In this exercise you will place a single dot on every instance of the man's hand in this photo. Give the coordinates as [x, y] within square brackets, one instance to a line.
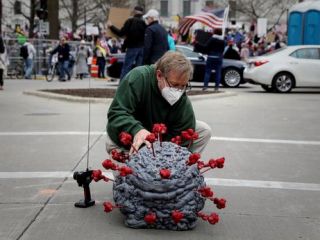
[139, 139]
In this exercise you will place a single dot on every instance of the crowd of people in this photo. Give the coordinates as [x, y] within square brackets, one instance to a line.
[144, 40]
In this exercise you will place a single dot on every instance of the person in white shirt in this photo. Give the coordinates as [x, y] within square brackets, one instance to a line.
[28, 61]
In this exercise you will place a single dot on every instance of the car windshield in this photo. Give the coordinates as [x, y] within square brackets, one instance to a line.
[187, 52]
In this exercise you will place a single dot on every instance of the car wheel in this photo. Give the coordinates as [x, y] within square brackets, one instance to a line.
[231, 77]
[267, 88]
[283, 82]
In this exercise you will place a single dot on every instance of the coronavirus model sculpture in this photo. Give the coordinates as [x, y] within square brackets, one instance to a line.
[163, 186]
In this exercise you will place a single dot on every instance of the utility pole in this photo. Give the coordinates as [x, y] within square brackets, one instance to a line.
[0, 16]
[85, 23]
[53, 17]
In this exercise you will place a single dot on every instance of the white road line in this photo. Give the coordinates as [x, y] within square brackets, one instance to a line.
[48, 133]
[209, 181]
[227, 139]
[261, 140]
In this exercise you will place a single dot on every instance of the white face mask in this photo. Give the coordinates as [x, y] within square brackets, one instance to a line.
[172, 95]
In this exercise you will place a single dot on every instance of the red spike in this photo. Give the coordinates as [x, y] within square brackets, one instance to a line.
[165, 173]
[150, 218]
[176, 216]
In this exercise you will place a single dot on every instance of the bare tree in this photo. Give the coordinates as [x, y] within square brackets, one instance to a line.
[95, 11]
[145, 3]
[29, 14]
[255, 9]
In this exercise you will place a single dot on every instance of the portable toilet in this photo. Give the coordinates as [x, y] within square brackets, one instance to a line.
[304, 24]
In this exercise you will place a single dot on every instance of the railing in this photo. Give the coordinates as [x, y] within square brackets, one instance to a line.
[40, 62]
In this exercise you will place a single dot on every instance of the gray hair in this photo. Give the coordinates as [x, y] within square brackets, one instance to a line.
[175, 61]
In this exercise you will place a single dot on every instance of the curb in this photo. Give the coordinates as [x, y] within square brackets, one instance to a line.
[69, 98]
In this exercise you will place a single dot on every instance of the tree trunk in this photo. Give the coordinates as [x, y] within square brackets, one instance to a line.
[32, 15]
[53, 18]
[74, 17]
[0, 16]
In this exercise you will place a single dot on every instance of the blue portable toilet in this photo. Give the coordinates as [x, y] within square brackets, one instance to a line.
[304, 24]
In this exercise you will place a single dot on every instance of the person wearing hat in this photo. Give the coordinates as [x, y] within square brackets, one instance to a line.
[133, 30]
[156, 38]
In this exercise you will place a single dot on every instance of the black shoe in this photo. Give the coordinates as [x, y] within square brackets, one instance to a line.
[204, 89]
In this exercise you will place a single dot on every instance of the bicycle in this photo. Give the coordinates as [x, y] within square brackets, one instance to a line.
[16, 69]
[52, 72]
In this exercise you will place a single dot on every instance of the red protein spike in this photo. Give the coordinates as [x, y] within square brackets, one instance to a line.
[190, 131]
[125, 138]
[108, 164]
[213, 218]
[193, 158]
[151, 138]
[108, 207]
[195, 136]
[220, 162]
[177, 140]
[206, 192]
[185, 135]
[115, 154]
[220, 203]
[176, 216]
[203, 216]
[201, 164]
[150, 218]
[165, 173]
[125, 170]
[97, 175]
[164, 128]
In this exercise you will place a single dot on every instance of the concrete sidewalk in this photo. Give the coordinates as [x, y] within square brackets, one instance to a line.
[43, 141]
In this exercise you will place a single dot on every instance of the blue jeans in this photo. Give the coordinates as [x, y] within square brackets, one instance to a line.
[28, 66]
[216, 64]
[63, 68]
[101, 62]
[134, 56]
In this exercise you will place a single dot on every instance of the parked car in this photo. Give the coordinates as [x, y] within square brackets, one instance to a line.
[286, 68]
[232, 70]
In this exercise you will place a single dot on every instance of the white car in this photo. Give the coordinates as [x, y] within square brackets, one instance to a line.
[285, 68]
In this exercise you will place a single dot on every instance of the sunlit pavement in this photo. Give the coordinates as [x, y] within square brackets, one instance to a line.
[271, 177]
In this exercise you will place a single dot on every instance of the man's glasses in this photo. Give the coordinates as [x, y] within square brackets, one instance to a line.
[185, 88]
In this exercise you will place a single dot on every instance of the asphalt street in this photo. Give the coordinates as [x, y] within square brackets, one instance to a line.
[271, 178]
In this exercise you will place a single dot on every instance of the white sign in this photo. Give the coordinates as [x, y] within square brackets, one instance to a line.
[262, 27]
[44, 27]
[92, 30]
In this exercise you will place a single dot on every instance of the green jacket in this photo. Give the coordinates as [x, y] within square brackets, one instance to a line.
[138, 104]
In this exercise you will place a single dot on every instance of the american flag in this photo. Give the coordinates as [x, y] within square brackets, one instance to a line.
[215, 18]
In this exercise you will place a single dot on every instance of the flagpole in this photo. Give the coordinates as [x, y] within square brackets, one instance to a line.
[225, 20]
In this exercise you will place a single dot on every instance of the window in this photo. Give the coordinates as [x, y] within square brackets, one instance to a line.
[186, 7]
[210, 4]
[188, 52]
[164, 8]
[306, 53]
[17, 7]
